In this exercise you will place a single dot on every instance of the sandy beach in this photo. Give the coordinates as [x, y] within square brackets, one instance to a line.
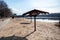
[44, 30]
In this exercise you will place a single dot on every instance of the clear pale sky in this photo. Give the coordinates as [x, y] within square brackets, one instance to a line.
[22, 6]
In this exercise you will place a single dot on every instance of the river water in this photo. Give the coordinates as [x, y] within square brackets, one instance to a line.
[46, 19]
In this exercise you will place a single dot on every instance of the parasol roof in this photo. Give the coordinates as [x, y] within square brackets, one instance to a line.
[35, 13]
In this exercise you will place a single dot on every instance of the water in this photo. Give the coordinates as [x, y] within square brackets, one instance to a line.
[46, 19]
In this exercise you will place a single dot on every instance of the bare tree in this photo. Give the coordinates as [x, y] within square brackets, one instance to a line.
[4, 10]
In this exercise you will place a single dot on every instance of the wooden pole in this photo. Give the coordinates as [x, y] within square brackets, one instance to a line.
[31, 19]
[34, 23]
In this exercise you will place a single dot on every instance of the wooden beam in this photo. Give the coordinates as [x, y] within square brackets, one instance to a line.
[34, 23]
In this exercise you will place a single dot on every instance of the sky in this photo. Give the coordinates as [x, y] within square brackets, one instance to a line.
[21, 6]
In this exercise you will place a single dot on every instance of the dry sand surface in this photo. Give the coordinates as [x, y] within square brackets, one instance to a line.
[45, 30]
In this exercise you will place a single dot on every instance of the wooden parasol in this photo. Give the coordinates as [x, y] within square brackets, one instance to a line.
[34, 13]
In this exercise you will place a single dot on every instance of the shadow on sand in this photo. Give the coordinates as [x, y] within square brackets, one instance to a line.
[30, 33]
[16, 37]
[24, 23]
[13, 38]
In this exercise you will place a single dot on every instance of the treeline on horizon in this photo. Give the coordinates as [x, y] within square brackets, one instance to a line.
[49, 15]
[5, 11]
[52, 16]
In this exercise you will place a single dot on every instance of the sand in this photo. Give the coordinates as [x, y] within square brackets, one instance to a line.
[44, 30]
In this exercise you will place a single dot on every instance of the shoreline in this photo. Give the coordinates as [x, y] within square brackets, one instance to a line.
[45, 20]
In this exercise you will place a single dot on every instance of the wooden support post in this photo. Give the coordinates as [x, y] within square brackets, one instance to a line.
[31, 19]
[34, 23]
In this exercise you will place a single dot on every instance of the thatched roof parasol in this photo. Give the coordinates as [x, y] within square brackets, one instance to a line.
[34, 13]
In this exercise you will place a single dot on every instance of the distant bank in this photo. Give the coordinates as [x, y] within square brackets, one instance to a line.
[52, 16]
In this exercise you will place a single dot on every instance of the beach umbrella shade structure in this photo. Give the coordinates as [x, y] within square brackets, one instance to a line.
[34, 13]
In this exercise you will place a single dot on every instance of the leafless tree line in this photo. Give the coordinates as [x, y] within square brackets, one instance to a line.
[4, 10]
